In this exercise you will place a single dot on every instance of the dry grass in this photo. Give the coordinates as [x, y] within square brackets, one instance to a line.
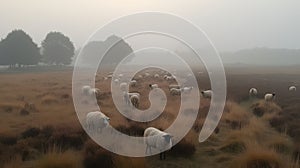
[244, 139]
[15, 162]
[257, 157]
[56, 158]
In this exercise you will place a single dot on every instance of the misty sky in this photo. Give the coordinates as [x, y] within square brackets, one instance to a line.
[230, 24]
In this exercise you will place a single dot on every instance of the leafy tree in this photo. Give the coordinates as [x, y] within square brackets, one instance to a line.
[57, 49]
[114, 49]
[19, 49]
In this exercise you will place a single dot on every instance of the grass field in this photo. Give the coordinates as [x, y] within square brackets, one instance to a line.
[48, 134]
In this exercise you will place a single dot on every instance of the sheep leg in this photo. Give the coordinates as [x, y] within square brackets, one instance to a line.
[146, 149]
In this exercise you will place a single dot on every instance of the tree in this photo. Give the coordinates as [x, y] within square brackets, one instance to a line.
[57, 49]
[19, 49]
[114, 48]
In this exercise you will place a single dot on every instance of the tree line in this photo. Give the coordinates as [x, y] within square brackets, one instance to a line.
[19, 50]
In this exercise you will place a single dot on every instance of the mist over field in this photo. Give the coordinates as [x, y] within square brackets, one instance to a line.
[60, 107]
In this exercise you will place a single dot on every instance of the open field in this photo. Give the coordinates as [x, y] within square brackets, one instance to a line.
[251, 134]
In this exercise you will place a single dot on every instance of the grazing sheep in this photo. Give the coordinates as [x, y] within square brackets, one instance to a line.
[174, 86]
[109, 76]
[116, 81]
[94, 92]
[123, 86]
[96, 121]
[175, 91]
[206, 93]
[253, 92]
[159, 140]
[156, 76]
[153, 86]
[292, 88]
[186, 89]
[127, 96]
[147, 74]
[86, 90]
[167, 77]
[270, 96]
[89, 91]
[135, 100]
[133, 83]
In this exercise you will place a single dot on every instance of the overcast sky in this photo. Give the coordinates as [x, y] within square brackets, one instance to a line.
[230, 24]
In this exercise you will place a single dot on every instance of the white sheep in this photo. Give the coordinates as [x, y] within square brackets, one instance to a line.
[89, 91]
[127, 97]
[147, 74]
[154, 138]
[206, 93]
[109, 76]
[116, 81]
[135, 100]
[167, 77]
[187, 90]
[153, 86]
[156, 76]
[123, 86]
[94, 92]
[133, 83]
[292, 88]
[175, 91]
[253, 92]
[85, 90]
[174, 86]
[270, 96]
[96, 121]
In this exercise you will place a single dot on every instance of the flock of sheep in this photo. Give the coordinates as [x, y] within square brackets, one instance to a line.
[268, 96]
[96, 120]
[156, 138]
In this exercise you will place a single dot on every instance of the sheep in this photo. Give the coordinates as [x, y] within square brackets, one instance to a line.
[292, 88]
[123, 86]
[135, 100]
[85, 90]
[133, 83]
[153, 86]
[116, 81]
[156, 76]
[253, 92]
[186, 89]
[171, 77]
[270, 96]
[127, 97]
[174, 86]
[175, 91]
[167, 77]
[154, 138]
[206, 93]
[89, 91]
[94, 92]
[109, 76]
[96, 121]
